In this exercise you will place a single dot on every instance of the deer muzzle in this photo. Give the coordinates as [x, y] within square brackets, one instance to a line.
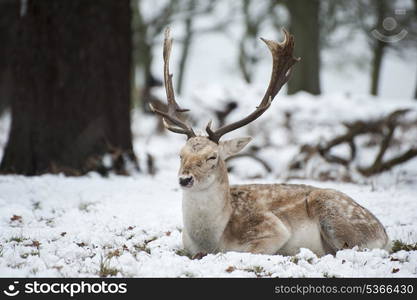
[186, 181]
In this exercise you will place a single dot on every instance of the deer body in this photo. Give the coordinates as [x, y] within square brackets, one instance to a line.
[268, 218]
[265, 218]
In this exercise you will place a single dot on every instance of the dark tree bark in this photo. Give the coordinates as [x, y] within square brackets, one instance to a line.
[415, 13]
[71, 99]
[9, 15]
[382, 8]
[305, 27]
[379, 50]
[142, 57]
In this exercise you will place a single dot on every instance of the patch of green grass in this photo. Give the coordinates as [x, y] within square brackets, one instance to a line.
[259, 271]
[151, 240]
[16, 265]
[183, 252]
[17, 239]
[142, 247]
[32, 253]
[105, 269]
[294, 259]
[398, 245]
[310, 260]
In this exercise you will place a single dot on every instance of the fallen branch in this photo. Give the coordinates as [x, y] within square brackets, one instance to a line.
[384, 127]
[389, 164]
[254, 157]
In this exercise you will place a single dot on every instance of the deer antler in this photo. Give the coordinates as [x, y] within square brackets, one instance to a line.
[170, 118]
[282, 61]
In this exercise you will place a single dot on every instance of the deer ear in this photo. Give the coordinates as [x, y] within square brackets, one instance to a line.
[233, 146]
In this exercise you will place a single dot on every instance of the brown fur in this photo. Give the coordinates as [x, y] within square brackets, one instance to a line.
[266, 218]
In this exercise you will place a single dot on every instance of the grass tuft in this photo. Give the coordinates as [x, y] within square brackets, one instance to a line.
[105, 269]
[17, 239]
[144, 246]
[398, 245]
[183, 252]
[259, 271]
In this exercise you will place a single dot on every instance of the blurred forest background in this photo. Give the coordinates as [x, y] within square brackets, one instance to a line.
[72, 72]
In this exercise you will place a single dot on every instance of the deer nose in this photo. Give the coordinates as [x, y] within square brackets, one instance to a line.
[186, 181]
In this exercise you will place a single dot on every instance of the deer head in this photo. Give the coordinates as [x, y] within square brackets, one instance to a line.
[203, 161]
[203, 157]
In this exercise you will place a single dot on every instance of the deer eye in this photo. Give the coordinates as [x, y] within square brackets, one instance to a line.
[211, 157]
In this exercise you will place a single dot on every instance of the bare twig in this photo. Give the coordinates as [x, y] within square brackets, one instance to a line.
[389, 164]
[384, 127]
[254, 157]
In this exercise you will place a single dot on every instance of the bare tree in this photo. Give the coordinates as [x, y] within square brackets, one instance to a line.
[71, 92]
[248, 44]
[188, 36]
[146, 34]
[389, 26]
[9, 16]
[305, 25]
[415, 14]
[379, 46]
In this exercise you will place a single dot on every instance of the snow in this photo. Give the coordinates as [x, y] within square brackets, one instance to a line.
[53, 225]
[79, 221]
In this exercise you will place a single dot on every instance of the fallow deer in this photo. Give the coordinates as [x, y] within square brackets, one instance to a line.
[258, 218]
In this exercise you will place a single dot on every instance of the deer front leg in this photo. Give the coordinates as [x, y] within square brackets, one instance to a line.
[188, 244]
[272, 236]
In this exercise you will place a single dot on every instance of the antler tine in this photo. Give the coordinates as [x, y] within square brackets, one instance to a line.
[177, 125]
[282, 62]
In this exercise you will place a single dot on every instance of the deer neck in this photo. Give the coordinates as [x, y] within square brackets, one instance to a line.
[207, 212]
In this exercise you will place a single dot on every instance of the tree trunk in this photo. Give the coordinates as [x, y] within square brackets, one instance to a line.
[142, 58]
[382, 9]
[248, 60]
[415, 13]
[71, 99]
[305, 27]
[188, 22]
[9, 16]
[376, 66]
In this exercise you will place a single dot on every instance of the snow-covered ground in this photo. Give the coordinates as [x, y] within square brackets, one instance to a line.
[57, 226]
[52, 225]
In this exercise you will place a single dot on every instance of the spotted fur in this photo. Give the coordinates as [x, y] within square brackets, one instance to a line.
[265, 218]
